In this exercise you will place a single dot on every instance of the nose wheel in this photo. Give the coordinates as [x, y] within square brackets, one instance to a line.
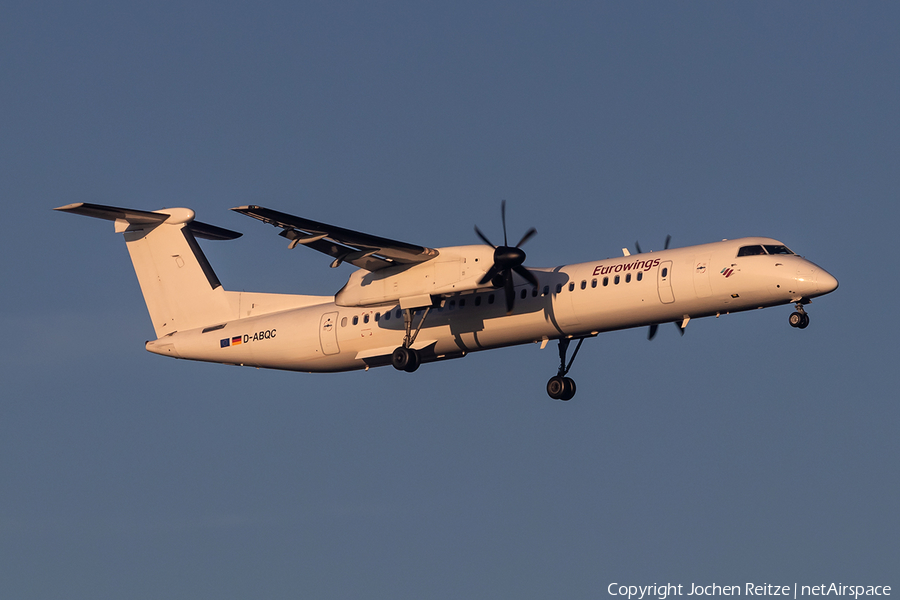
[561, 387]
[799, 318]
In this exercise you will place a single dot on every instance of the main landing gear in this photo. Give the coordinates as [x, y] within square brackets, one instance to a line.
[799, 319]
[405, 357]
[561, 387]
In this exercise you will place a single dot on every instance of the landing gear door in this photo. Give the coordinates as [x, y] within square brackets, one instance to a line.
[328, 333]
[664, 282]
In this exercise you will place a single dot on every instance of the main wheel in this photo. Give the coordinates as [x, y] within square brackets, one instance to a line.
[405, 359]
[556, 387]
[568, 389]
[796, 320]
[804, 323]
[414, 361]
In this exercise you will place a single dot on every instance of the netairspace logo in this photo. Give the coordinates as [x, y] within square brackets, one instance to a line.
[638, 592]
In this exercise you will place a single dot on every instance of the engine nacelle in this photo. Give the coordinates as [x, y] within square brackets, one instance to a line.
[455, 269]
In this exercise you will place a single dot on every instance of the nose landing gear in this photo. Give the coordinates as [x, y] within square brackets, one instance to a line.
[561, 387]
[799, 319]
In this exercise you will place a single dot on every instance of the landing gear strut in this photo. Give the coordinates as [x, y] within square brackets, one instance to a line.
[799, 319]
[561, 387]
[405, 357]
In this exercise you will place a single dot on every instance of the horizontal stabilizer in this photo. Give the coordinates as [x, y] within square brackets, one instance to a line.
[143, 217]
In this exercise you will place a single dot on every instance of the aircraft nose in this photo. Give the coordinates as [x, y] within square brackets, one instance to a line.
[825, 282]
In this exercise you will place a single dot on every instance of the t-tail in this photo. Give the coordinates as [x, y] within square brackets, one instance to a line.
[180, 287]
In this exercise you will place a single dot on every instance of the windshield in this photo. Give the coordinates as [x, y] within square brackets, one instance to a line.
[751, 251]
[757, 250]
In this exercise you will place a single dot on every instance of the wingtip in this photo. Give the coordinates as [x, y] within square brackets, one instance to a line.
[70, 206]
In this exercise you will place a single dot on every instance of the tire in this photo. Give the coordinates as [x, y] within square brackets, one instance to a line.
[556, 387]
[400, 358]
[568, 389]
[414, 361]
[804, 323]
[796, 319]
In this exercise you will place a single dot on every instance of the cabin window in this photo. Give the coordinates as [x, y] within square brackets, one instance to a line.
[399, 313]
[616, 280]
[452, 304]
[365, 318]
[583, 284]
[593, 283]
[377, 317]
[344, 322]
[640, 275]
[558, 288]
[490, 298]
[628, 278]
[355, 320]
[524, 294]
[534, 292]
[387, 316]
[777, 249]
[546, 290]
[751, 251]
[665, 272]
[477, 300]
[462, 302]
[605, 281]
[572, 286]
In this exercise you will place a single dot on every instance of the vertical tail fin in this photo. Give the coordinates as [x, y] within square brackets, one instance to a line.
[180, 287]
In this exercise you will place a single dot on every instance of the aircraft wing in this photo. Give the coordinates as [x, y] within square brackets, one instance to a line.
[362, 250]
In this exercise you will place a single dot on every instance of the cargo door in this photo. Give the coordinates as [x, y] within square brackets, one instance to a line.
[664, 282]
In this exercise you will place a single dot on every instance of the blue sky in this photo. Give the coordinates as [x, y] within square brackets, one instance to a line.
[745, 451]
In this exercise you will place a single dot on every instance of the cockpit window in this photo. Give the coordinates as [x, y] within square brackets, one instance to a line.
[778, 249]
[751, 251]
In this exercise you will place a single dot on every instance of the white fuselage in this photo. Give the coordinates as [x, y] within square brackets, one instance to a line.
[573, 301]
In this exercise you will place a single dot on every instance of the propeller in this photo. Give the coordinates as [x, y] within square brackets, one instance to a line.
[637, 245]
[655, 327]
[506, 260]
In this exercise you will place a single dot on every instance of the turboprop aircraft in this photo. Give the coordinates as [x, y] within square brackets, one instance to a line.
[406, 305]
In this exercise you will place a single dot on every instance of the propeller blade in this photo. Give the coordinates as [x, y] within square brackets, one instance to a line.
[484, 238]
[503, 218]
[526, 275]
[668, 239]
[510, 292]
[637, 246]
[652, 333]
[491, 273]
[526, 237]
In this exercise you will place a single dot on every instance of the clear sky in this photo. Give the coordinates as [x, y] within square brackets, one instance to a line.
[746, 451]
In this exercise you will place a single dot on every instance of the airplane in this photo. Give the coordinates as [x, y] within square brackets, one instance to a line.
[406, 305]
